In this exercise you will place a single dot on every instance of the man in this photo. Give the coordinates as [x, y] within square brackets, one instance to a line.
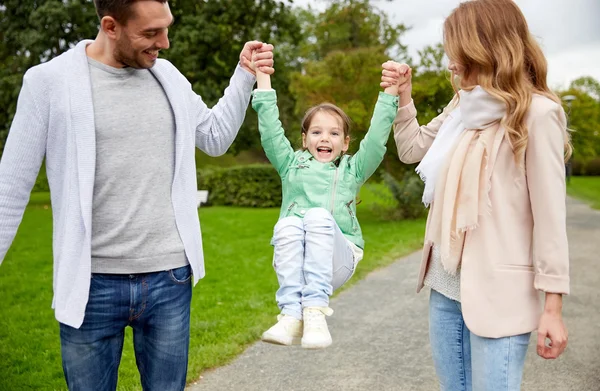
[118, 127]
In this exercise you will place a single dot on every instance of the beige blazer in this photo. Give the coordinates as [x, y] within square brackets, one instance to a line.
[521, 248]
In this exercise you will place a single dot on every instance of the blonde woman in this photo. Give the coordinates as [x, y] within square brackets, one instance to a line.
[493, 167]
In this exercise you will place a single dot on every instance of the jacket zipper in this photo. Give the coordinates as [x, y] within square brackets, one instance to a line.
[354, 228]
[333, 191]
[290, 208]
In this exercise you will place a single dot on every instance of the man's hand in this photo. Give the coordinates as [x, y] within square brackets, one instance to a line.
[261, 53]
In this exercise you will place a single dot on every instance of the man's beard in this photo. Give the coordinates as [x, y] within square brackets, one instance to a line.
[125, 54]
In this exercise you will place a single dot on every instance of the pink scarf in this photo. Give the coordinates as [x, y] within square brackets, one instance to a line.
[463, 183]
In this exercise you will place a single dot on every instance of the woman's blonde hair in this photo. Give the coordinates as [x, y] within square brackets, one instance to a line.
[491, 40]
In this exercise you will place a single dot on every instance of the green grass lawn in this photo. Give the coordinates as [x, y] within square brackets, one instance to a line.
[586, 188]
[231, 306]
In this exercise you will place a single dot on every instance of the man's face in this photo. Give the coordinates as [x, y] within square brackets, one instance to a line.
[144, 34]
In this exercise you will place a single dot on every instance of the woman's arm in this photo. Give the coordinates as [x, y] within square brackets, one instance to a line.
[372, 148]
[412, 140]
[544, 166]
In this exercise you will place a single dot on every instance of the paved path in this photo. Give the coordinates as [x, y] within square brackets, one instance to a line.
[380, 335]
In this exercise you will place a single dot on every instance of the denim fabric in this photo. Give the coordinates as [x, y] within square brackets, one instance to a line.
[312, 258]
[157, 307]
[464, 361]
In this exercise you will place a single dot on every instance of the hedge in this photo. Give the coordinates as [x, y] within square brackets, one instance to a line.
[256, 185]
[589, 168]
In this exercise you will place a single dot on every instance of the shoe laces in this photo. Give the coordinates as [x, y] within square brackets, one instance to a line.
[315, 316]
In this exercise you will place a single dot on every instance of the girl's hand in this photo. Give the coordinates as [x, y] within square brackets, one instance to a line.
[263, 77]
[257, 55]
[396, 79]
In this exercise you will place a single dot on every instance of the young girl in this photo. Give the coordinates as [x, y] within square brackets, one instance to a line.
[317, 240]
[493, 166]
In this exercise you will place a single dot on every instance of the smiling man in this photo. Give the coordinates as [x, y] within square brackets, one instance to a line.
[118, 127]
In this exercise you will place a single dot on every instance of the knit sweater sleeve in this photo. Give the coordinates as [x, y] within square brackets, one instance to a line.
[217, 127]
[21, 160]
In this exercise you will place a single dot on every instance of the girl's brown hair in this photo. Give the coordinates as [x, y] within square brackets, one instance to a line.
[331, 109]
[491, 39]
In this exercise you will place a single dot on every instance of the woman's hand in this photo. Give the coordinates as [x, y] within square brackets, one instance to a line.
[552, 327]
[396, 78]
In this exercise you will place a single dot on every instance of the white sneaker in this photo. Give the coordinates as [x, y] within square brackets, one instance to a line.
[316, 334]
[287, 331]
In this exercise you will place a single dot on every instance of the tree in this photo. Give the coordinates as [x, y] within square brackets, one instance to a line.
[584, 118]
[207, 38]
[589, 85]
[32, 32]
[432, 89]
[344, 47]
[348, 79]
[347, 25]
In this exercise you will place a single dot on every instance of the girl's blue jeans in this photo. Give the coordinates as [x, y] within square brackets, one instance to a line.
[312, 258]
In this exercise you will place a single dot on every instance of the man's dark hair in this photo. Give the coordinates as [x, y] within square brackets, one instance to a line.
[118, 9]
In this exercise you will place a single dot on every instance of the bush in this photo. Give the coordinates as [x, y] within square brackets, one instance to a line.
[588, 168]
[408, 193]
[592, 167]
[577, 167]
[256, 185]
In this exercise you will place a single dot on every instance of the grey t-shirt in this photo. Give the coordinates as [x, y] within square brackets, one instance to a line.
[133, 222]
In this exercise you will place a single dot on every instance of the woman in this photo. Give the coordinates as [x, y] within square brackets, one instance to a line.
[493, 166]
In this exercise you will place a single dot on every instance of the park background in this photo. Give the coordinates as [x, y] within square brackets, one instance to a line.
[332, 52]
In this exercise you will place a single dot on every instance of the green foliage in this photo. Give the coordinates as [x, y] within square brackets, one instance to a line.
[587, 168]
[231, 306]
[588, 85]
[586, 188]
[347, 79]
[346, 25]
[206, 41]
[34, 31]
[593, 167]
[208, 36]
[431, 87]
[408, 193]
[334, 55]
[584, 118]
[343, 49]
[256, 185]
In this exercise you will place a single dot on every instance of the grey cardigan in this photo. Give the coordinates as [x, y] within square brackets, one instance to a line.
[55, 119]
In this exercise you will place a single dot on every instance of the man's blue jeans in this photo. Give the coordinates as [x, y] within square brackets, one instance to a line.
[156, 306]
